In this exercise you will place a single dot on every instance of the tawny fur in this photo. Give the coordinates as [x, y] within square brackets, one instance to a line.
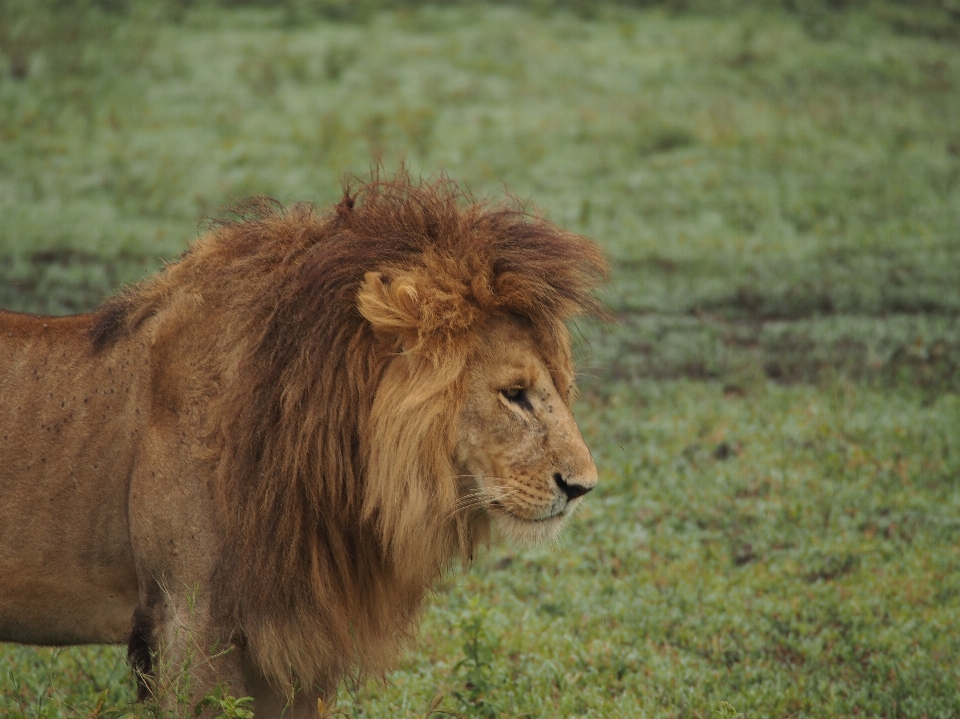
[276, 378]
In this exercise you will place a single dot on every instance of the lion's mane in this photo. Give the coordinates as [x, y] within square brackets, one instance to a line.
[332, 464]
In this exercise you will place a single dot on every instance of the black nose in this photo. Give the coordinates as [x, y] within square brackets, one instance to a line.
[571, 490]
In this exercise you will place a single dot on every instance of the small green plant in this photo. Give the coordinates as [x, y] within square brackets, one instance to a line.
[219, 700]
[229, 707]
[436, 709]
[726, 710]
[476, 668]
[39, 711]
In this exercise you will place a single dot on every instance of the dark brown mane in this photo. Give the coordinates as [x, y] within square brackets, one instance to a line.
[287, 395]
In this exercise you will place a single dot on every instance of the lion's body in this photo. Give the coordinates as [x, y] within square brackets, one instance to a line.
[68, 571]
[277, 444]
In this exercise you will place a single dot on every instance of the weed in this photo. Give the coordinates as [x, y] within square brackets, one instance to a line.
[475, 671]
[226, 706]
[726, 710]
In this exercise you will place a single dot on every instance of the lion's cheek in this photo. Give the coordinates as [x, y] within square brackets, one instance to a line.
[472, 455]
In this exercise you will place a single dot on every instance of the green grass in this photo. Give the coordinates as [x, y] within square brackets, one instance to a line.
[775, 416]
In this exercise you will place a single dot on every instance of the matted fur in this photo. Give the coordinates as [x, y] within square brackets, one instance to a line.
[337, 488]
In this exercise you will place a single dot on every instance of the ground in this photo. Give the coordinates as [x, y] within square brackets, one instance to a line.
[775, 413]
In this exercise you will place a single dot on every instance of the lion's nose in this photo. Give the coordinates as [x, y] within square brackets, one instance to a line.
[571, 490]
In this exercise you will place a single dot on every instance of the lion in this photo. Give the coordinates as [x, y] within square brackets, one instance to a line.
[261, 458]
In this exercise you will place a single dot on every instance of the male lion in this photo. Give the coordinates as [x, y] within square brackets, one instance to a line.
[277, 444]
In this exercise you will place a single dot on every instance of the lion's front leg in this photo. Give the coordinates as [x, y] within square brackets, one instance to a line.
[180, 655]
[193, 656]
[269, 702]
[181, 646]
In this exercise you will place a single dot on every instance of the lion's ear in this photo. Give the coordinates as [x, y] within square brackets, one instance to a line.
[391, 306]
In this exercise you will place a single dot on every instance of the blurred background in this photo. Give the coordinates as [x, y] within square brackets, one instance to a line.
[775, 412]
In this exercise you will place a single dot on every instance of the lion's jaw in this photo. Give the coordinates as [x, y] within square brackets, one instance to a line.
[525, 461]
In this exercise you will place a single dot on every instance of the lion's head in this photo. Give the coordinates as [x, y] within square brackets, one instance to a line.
[489, 409]
[382, 382]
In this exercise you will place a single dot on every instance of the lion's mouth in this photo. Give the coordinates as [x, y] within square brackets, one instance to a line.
[541, 520]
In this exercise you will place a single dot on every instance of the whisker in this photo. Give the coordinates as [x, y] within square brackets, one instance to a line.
[468, 503]
[481, 496]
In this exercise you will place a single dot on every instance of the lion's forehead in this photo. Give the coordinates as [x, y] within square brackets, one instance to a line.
[511, 355]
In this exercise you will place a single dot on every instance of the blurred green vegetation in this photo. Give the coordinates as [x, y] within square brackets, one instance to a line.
[741, 170]
[775, 414]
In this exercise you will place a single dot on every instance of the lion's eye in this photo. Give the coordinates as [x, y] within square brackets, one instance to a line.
[518, 396]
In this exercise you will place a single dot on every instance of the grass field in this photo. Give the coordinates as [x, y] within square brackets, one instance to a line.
[775, 416]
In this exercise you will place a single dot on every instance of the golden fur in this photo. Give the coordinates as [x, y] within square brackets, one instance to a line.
[305, 424]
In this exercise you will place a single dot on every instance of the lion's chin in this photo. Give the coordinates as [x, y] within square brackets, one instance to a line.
[527, 531]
